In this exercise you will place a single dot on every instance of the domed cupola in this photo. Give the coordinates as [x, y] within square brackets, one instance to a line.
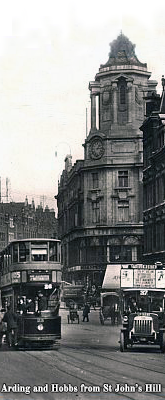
[123, 52]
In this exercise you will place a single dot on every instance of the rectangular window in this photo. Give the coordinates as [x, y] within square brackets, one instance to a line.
[52, 251]
[95, 180]
[96, 211]
[39, 251]
[15, 252]
[123, 211]
[2, 236]
[24, 251]
[11, 223]
[115, 253]
[127, 253]
[123, 178]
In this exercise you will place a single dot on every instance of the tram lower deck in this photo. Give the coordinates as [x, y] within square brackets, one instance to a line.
[30, 287]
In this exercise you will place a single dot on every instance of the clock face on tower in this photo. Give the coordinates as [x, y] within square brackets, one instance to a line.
[96, 149]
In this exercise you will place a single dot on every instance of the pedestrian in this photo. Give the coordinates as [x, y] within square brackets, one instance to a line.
[42, 301]
[86, 311]
[11, 319]
[3, 326]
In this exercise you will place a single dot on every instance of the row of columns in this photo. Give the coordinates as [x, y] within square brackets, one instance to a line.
[114, 105]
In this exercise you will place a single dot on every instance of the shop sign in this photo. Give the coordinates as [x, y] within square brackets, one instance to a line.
[92, 268]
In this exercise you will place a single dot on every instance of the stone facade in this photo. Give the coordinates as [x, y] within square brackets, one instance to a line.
[100, 201]
[154, 180]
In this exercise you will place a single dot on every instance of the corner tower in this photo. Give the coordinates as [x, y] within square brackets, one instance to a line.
[120, 86]
[100, 201]
[113, 152]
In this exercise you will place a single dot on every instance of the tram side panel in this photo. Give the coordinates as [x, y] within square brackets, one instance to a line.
[41, 328]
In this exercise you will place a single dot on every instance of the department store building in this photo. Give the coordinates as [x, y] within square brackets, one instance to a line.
[100, 199]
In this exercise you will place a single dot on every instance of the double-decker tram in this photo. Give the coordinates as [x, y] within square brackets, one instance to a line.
[143, 291]
[30, 276]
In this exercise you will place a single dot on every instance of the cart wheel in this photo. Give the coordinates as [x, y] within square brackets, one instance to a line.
[68, 319]
[123, 344]
[78, 320]
[162, 346]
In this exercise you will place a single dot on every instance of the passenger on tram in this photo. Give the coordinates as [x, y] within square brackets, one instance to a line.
[42, 301]
[30, 307]
[21, 306]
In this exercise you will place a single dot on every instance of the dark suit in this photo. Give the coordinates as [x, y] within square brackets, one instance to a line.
[42, 303]
[11, 319]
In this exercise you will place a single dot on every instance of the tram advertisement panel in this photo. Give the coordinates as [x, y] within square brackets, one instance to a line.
[160, 279]
[143, 278]
[127, 278]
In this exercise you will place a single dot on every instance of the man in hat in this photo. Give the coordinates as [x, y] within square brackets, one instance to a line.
[11, 319]
[42, 301]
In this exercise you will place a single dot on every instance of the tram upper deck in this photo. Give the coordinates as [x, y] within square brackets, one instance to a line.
[31, 253]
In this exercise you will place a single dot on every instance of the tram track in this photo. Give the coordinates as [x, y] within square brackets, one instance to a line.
[114, 359]
[89, 373]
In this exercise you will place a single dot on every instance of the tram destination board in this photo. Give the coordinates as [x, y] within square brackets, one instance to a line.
[39, 277]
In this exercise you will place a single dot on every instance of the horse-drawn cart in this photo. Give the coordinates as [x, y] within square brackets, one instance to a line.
[73, 315]
[110, 309]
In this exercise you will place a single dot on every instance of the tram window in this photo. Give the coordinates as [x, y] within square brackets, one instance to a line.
[52, 251]
[39, 254]
[15, 252]
[24, 251]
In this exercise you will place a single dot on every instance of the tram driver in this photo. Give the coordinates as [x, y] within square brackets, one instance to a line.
[42, 301]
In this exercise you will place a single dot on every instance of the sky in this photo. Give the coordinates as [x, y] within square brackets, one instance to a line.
[49, 52]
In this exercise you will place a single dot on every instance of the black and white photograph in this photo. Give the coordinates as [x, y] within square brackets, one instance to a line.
[82, 200]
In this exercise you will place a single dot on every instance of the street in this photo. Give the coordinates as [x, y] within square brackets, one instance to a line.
[87, 365]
